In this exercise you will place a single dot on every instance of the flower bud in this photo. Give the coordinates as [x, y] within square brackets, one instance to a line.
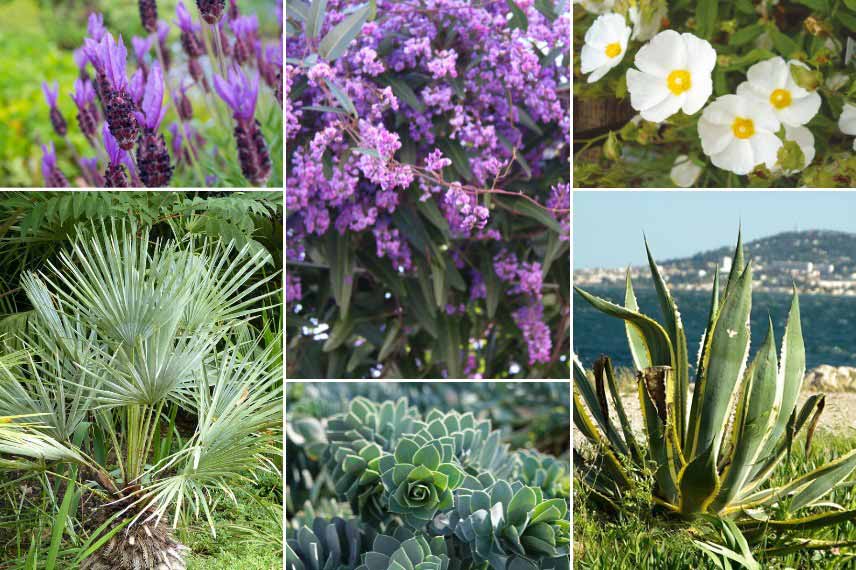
[806, 78]
[612, 147]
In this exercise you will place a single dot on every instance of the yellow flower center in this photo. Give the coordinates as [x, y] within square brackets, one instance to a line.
[613, 49]
[743, 128]
[679, 81]
[780, 98]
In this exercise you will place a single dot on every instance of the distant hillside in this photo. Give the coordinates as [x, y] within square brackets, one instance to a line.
[820, 247]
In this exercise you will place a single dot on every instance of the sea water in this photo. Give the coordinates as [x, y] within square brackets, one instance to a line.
[828, 323]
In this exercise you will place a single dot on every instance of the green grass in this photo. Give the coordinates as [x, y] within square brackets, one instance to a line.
[638, 539]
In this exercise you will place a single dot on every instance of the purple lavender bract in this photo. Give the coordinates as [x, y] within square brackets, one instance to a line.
[57, 120]
[211, 10]
[54, 178]
[149, 14]
[241, 94]
[152, 155]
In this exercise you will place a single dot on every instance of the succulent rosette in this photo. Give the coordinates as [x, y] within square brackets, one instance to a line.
[417, 552]
[418, 480]
[512, 526]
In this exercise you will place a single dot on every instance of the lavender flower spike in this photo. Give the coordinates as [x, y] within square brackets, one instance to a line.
[241, 93]
[53, 177]
[163, 32]
[87, 115]
[211, 10]
[246, 29]
[57, 120]
[189, 40]
[152, 155]
[149, 14]
[119, 107]
[115, 175]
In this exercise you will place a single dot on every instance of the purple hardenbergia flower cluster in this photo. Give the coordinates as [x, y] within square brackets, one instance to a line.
[122, 106]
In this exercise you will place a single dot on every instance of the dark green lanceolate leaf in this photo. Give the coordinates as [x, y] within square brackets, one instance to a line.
[315, 17]
[389, 341]
[408, 221]
[337, 40]
[449, 338]
[527, 121]
[707, 12]
[441, 286]
[342, 264]
[620, 411]
[341, 331]
[493, 287]
[422, 307]
[432, 213]
[367, 151]
[518, 16]
[404, 92]
[455, 152]
[526, 208]
[341, 97]
[753, 420]
[745, 35]
[325, 109]
[782, 42]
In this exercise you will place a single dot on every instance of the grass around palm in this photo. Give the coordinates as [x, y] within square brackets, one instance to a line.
[636, 540]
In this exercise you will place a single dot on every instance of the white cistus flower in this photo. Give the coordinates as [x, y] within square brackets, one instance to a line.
[674, 74]
[738, 134]
[771, 83]
[684, 172]
[605, 44]
[847, 121]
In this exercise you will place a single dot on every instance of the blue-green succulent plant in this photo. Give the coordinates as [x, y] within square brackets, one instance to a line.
[440, 491]
[512, 526]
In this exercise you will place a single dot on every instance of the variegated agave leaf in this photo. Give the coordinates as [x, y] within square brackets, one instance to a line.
[512, 526]
[334, 544]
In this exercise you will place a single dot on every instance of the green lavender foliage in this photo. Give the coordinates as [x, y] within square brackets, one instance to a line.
[411, 478]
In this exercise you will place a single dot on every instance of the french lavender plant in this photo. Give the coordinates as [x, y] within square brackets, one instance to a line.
[57, 120]
[152, 155]
[428, 151]
[123, 106]
[241, 94]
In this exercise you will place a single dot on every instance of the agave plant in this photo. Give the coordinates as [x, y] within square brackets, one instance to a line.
[714, 453]
[126, 334]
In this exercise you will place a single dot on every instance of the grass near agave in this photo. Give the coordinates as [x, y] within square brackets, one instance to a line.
[636, 539]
